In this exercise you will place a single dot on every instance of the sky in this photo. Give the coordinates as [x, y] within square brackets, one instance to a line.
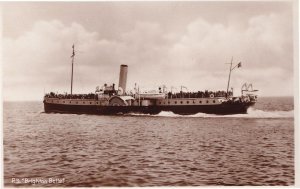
[171, 43]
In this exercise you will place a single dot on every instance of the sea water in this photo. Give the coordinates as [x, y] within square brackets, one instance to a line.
[149, 150]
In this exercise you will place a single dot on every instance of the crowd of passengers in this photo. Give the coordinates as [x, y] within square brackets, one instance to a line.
[199, 94]
[73, 96]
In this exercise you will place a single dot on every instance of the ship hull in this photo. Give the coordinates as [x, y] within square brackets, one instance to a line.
[221, 109]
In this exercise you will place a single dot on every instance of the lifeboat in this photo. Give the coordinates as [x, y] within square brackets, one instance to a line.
[151, 95]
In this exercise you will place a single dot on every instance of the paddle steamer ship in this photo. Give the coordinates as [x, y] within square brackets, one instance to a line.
[109, 100]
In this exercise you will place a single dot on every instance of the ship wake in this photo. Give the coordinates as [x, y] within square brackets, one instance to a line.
[251, 113]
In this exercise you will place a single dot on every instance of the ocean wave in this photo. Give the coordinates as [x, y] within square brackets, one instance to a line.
[251, 113]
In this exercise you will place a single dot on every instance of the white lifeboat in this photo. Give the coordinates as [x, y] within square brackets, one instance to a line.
[151, 95]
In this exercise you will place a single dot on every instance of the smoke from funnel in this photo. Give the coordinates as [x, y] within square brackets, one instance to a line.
[123, 78]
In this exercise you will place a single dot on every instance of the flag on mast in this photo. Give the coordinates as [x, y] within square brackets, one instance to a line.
[239, 64]
[73, 51]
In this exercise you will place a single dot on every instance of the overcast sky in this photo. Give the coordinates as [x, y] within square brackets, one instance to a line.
[171, 43]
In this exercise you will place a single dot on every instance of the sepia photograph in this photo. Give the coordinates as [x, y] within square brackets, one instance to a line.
[149, 93]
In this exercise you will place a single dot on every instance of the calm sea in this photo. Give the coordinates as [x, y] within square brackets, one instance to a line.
[141, 150]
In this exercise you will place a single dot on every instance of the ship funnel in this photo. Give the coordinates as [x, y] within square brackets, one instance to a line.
[123, 79]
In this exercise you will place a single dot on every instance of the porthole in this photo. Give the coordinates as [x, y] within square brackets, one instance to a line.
[83, 102]
[214, 101]
[207, 101]
[76, 102]
[200, 102]
[175, 102]
[181, 102]
[70, 102]
[63, 101]
[187, 102]
[97, 102]
[90, 102]
[193, 102]
[168, 102]
[159, 102]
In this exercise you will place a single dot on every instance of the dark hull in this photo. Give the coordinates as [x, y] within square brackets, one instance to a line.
[222, 109]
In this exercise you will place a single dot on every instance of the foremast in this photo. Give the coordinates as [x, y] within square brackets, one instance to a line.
[73, 55]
